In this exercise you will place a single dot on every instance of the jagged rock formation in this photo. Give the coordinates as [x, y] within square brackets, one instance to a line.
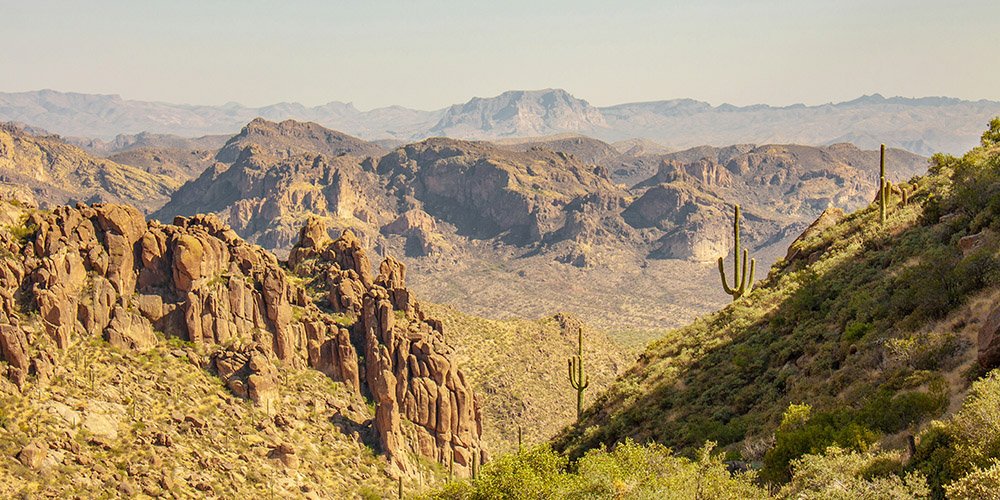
[487, 192]
[408, 369]
[104, 270]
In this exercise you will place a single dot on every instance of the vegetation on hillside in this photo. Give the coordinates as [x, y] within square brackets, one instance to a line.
[862, 337]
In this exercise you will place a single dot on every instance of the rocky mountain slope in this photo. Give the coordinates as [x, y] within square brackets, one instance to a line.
[269, 179]
[862, 334]
[457, 209]
[924, 126]
[76, 276]
[57, 173]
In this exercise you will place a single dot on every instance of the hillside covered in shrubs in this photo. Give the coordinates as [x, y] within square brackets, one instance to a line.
[859, 367]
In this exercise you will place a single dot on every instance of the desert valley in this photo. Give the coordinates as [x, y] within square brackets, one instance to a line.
[520, 295]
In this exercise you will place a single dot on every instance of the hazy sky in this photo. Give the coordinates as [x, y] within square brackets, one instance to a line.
[430, 54]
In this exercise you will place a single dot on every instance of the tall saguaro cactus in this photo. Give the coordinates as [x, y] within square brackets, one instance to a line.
[577, 376]
[742, 282]
[883, 185]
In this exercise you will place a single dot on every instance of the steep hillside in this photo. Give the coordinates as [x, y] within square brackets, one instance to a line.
[519, 366]
[156, 424]
[874, 327]
[58, 173]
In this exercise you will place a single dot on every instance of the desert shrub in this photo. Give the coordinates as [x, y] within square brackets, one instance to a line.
[839, 473]
[970, 439]
[977, 485]
[890, 413]
[856, 330]
[629, 470]
[535, 473]
[801, 432]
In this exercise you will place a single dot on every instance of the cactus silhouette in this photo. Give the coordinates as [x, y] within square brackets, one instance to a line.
[742, 282]
[884, 188]
[577, 376]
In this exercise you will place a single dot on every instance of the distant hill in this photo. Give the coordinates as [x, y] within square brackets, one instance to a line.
[145, 140]
[59, 173]
[922, 125]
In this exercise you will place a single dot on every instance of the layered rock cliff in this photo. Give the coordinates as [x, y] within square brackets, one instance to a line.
[103, 270]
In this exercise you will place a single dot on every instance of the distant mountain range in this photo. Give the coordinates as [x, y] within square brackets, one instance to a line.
[923, 125]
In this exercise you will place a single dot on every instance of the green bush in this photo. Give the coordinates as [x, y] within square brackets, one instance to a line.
[802, 432]
[969, 440]
[838, 473]
[977, 485]
[628, 471]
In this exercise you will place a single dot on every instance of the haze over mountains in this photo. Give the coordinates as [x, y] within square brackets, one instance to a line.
[922, 125]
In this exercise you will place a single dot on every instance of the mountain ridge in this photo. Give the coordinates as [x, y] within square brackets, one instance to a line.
[925, 125]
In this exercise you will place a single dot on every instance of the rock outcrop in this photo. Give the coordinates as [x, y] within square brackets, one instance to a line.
[408, 369]
[102, 270]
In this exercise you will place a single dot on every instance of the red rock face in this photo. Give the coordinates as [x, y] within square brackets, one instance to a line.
[103, 270]
[408, 368]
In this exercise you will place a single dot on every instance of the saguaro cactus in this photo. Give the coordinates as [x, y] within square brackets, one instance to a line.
[742, 282]
[883, 185]
[577, 376]
[520, 447]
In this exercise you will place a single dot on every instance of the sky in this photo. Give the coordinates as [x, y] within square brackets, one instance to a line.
[434, 53]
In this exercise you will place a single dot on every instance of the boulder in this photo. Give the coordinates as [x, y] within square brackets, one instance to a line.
[33, 455]
[130, 331]
[968, 244]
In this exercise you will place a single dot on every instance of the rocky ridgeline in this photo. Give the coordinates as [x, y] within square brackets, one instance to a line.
[104, 270]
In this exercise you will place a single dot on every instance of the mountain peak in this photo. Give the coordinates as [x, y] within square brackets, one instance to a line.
[520, 113]
[290, 137]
